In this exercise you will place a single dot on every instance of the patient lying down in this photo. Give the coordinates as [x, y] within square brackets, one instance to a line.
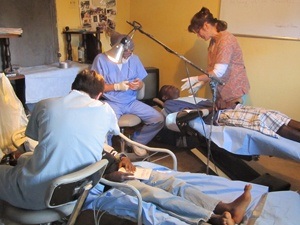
[268, 122]
[167, 193]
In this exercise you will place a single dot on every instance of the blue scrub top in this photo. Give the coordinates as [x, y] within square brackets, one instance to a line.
[112, 74]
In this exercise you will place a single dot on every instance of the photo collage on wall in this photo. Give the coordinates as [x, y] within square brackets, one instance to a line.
[98, 13]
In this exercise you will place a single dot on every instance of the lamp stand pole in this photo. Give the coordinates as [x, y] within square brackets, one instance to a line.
[213, 86]
[138, 26]
[213, 83]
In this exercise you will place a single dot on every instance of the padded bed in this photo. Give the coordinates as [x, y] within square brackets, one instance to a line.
[242, 141]
[276, 208]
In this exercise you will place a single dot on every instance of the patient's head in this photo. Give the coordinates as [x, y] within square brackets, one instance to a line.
[168, 92]
[89, 82]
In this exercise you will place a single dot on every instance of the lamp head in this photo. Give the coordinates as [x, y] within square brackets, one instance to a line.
[115, 54]
[120, 43]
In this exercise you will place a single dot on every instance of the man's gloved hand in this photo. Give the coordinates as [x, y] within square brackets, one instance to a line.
[135, 85]
[122, 86]
[187, 84]
[196, 87]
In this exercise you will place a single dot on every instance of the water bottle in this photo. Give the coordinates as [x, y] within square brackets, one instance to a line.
[81, 54]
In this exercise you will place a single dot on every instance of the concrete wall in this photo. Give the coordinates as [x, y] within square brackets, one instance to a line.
[38, 44]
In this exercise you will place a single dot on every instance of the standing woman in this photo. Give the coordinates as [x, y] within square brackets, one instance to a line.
[225, 59]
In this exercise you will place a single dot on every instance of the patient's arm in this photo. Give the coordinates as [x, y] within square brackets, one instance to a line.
[118, 176]
[112, 173]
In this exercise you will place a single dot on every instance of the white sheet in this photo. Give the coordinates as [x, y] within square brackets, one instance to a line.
[278, 208]
[243, 141]
[47, 81]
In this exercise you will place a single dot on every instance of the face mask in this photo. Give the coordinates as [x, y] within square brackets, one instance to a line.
[125, 60]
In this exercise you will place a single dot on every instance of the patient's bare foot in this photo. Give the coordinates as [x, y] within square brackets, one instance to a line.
[238, 207]
[224, 219]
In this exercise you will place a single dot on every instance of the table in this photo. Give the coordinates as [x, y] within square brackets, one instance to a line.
[48, 81]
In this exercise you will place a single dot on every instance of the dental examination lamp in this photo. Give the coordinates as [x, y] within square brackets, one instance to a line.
[115, 54]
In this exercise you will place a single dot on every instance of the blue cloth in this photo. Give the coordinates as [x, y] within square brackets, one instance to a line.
[162, 203]
[70, 131]
[242, 141]
[177, 105]
[161, 193]
[41, 81]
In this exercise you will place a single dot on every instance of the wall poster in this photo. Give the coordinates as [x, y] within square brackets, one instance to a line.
[98, 13]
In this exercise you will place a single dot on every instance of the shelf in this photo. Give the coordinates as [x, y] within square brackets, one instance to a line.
[9, 35]
[90, 41]
[79, 31]
[5, 35]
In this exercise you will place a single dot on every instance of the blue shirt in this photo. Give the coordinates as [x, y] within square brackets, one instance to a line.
[70, 132]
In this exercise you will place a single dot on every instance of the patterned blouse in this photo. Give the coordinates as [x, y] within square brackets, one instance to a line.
[224, 49]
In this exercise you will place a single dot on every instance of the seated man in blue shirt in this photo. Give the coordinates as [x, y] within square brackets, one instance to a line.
[70, 132]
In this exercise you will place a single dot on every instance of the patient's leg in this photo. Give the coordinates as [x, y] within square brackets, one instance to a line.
[183, 189]
[238, 207]
[294, 124]
[175, 206]
[290, 131]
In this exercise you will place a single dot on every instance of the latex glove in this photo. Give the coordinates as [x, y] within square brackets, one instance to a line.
[196, 87]
[122, 86]
[188, 83]
[135, 85]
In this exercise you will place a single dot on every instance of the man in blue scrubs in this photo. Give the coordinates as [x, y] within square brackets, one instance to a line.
[122, 81]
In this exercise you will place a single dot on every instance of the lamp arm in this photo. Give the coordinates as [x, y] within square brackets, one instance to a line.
[139, 28]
